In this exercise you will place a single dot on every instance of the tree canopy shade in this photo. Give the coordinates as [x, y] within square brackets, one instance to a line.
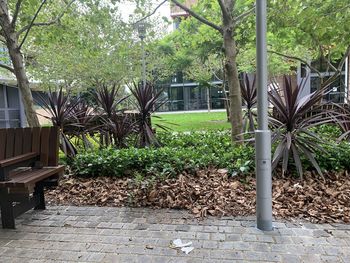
[311, 29]
[93, 43]
[17, 19]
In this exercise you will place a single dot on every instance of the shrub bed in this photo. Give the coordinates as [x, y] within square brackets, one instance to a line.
[192, 151]
[180, 152]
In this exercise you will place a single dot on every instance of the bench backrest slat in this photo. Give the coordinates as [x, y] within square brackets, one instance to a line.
[54, 147]
[17, 141]
[36, 139]
[2, 143]
[10, 143]
[44, 146]
[27, 140]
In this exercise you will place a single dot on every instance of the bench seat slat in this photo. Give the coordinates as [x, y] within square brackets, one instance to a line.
[28, 178]
[17, 159]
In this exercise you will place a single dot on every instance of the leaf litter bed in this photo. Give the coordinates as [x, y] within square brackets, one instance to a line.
[213, 192]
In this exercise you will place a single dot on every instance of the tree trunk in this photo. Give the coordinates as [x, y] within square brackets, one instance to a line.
[22, 82]
[208, 98]
[8, 32]
[233, 85]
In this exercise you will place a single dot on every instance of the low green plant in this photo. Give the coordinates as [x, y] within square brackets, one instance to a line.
[172, 158]
[192, 151]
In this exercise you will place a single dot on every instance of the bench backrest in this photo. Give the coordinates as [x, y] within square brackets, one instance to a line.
[17, 141]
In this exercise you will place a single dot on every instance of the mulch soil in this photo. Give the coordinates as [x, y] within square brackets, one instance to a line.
[213, 192]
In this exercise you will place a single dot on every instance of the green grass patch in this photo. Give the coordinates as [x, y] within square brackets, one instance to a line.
[193, 121]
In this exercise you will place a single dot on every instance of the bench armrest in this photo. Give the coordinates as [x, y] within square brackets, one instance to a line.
[18, 159]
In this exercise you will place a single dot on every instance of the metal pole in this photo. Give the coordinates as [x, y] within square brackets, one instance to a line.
[143, 64]
[262, 135]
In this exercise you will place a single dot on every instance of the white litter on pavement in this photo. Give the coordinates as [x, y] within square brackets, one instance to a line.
[187, 250]
[185, 247]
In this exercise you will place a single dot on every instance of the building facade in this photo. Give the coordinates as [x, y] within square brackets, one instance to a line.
[338, 89]
[184, 94]
[11, 107]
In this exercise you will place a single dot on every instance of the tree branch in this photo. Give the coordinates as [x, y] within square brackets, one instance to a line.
[15, 14]
[298, 59]
[27, 28]
[223, 9]
[198, 17]
[7, 67]
[338, 70]
[31, 23]
[244, 15]
[151, 14]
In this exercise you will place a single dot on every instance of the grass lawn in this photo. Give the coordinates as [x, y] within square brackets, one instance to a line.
[193, 121]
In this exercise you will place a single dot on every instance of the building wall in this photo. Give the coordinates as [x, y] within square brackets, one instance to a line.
[338, 89]
[11, 110]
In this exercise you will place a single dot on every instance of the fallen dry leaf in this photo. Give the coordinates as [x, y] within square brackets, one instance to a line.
[209, 193]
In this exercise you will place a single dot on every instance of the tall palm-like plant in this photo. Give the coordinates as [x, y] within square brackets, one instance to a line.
[120, 126]
[59, 108]
[147, 102]
[83, 121]
[294, 116]
[249, 97]
[108, 100]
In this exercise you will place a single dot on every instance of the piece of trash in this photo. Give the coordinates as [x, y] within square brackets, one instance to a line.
[149, 247]
[185, 247]
[178, 243]
[187, 250]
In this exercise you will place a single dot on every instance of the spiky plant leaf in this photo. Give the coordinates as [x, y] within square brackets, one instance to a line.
[294, 115]
[249, 97]
[147, 102]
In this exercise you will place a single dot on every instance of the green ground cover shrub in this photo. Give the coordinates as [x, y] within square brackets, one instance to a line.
[180, 152]
[198, 150]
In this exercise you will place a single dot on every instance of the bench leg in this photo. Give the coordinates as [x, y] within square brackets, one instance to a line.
[39, 193]
[7, 212]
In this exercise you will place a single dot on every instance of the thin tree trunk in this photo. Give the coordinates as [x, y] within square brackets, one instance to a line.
[208, 98]
[227, 100]
[11, 37]
[233, 85]
[23, 84]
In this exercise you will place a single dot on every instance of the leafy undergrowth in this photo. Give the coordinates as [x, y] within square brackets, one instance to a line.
[213, 192]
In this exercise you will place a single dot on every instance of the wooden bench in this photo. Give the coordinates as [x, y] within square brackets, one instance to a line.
[28, 163]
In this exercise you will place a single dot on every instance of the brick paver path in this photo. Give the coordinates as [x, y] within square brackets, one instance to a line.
[101, 234]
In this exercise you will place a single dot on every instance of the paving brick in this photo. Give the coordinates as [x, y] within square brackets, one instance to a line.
[332, 250]
[287, 258]
[204, 236]
[226, 245]
[310, 258]
[263, 247]
[217, 236]
[182, 228]
[262, 256]
[211, 229]
[210, 244]
[330, 259]
[234, 237]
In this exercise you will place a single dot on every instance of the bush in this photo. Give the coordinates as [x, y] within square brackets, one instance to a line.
[198, 150]
[180, 152]
[336, 157]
